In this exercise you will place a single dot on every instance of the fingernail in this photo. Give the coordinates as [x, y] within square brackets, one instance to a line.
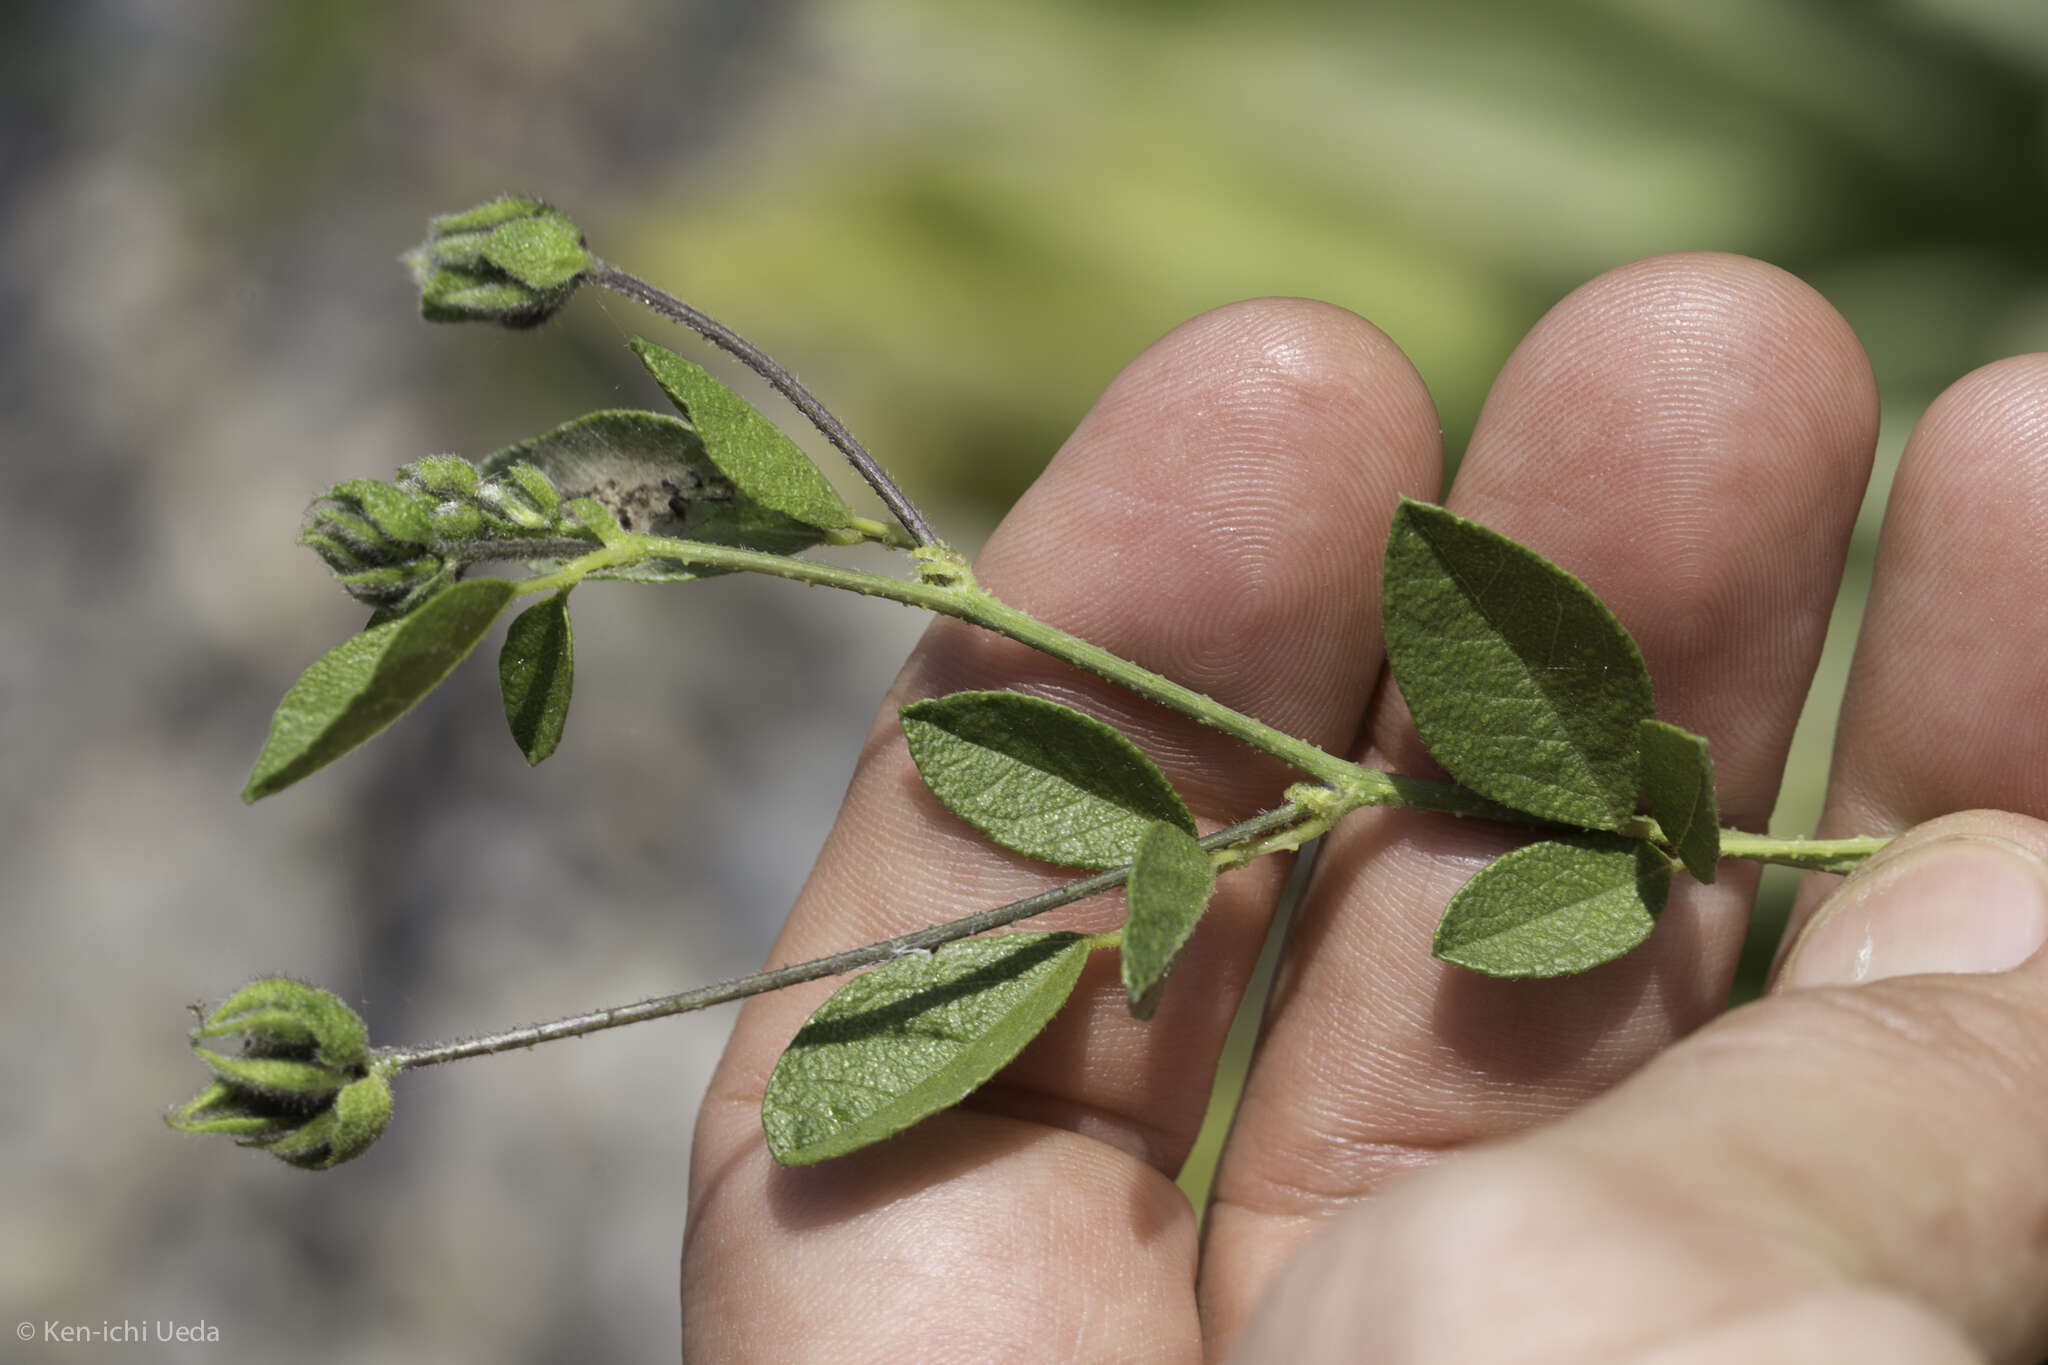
[1967, 904]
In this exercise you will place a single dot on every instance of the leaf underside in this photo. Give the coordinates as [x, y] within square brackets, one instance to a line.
[1172, 878]
[1555, 907]
[1678, 781]
[1040, 778]
[371, 679]
[914, 1036]
[1521, 682]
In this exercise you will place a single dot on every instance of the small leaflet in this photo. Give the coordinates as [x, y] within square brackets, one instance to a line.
[1555, 907]
[1522, 683]
[762, 462]
[536, 674]
[371, 679]
[1172, 878]
[916, 1035]
[1040, 778]
[1678, 781]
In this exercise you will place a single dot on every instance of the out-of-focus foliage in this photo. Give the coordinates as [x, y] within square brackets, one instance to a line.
[1003, 206]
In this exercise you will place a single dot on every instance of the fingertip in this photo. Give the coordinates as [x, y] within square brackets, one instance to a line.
[1966, 893]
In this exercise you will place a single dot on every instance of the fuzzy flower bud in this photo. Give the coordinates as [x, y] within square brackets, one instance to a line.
[511, 261]
[303, 1086]
[378, 538]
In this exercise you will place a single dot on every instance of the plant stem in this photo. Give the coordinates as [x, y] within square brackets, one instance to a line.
[1350, 785]
[1813, 855]
[918, 940]
[760, 362]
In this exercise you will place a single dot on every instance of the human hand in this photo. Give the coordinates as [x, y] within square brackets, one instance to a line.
[1832, 1173]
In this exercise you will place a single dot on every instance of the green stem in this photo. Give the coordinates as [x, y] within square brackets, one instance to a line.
[1349, 785]
[1813, 855]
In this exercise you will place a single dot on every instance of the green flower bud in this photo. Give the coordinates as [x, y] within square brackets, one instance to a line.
[512, 261]
[279, 1017]
[340, 1132]
[521, 498]
[397, 513]
[457, 522]
[378, 538]
[303, 1087]
[440, 476]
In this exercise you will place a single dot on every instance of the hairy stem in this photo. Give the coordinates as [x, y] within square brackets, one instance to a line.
[1812, 855]
[760, 362]
[918, 940]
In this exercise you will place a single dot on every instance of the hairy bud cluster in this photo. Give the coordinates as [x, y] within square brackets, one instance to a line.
[512, 261]
[393, 545]
[303, 1087]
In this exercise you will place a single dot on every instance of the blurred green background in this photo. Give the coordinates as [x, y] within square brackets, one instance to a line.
[957, 222]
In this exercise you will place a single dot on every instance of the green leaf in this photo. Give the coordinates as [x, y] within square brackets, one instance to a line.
[752, 451]
[536, 670]
[1678, 780]
[1555, 907]
[912, 1037]
[1039, 777]
[651, 473]
[1171, 881]
[1523, 685]
[371, 679]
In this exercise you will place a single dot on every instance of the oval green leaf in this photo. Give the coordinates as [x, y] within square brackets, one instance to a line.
[1172, 878]
[1523, 685]
[371, 679]
[1555, 907]
[536, 673]
[1678, 781]
[912, 1037]
[650, 471]
[1039, 777]
[752, 451]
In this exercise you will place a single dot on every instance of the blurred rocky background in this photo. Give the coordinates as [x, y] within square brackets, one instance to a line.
[957, 222]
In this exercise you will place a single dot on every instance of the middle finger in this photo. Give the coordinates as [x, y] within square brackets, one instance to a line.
[1691, 436]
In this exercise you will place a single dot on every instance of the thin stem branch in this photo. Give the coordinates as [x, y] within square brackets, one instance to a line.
[918, 940]
[760, 362]
[1813, 855]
